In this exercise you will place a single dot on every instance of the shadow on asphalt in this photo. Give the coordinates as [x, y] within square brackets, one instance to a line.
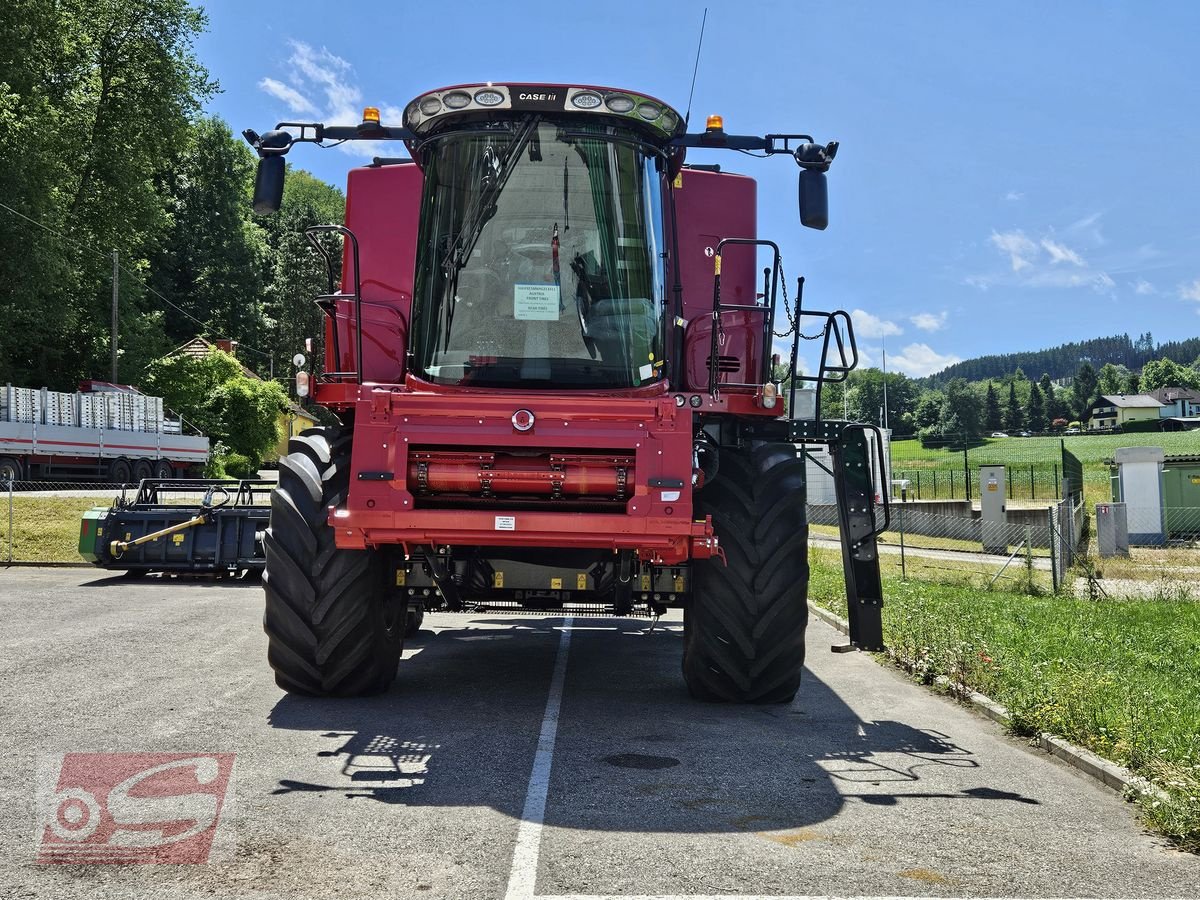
[634, 752]
[123, 579]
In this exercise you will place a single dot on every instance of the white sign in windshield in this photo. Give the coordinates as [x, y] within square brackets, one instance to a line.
[536, 302]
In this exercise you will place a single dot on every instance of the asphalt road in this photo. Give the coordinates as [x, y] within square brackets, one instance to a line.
[866, 785]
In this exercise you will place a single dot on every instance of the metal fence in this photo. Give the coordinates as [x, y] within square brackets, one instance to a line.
[931, 545]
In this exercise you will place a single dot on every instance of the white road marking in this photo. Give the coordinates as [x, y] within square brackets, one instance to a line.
[740, 897]
[523, 874]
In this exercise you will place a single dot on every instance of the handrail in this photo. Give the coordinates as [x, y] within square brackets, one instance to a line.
[311, 234]
[768, 309]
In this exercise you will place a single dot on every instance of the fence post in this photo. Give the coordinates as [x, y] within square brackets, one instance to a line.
[918, 484]
[951, 484]
[1010, 494]
[935, 496]
[10, 520]
[1057, 484]
[1032, 489]
[966, 468]
[903, 567]
[1029, 552]
[1053, 550]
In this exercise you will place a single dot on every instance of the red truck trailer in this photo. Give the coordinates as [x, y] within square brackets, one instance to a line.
[552, 356]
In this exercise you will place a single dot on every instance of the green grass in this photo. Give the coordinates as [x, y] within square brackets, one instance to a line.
[45, 529]
[1117, 677]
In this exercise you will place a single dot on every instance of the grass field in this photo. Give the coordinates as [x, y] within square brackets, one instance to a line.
[1036, 459]
[1117, 677]
[45, 529]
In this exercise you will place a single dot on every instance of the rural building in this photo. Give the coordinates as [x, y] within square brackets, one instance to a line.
[1116, 410]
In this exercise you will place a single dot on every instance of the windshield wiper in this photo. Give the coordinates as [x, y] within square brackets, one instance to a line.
[485, 205]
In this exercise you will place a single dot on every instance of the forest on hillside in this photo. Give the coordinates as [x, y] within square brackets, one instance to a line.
[105, 147]
[1061, 362]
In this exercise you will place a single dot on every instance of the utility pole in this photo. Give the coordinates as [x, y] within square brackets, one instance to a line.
[116, 281]
[885, 409]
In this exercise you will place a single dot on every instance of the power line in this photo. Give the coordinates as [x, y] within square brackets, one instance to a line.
[131, 275]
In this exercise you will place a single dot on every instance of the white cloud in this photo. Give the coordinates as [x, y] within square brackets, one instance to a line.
[296, 102]
[918, 360]
[869, 326]
[324, 87]
[1014, 195]
[929, 321]
[1039, 263]
[1061, 253]
[1144, 287]
[1088, 228]
[1190, 291]
[1019, 248]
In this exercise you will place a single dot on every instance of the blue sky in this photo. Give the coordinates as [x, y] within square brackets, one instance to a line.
[1011, 176]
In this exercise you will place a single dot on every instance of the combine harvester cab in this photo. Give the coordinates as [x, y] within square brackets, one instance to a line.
[552, 356]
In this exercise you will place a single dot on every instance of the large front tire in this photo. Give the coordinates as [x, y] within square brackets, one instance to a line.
[744, 626]
[334, 628]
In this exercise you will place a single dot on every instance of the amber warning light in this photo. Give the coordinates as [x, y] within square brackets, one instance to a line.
[715, 123]
[371, 115]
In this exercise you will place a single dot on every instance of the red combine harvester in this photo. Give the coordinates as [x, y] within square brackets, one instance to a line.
[551, 355]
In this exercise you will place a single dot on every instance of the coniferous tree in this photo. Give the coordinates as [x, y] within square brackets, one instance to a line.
[993, 419]
[1014, 418]
[1036, 410]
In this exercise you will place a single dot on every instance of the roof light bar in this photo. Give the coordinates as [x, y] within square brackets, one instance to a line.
[423, 113]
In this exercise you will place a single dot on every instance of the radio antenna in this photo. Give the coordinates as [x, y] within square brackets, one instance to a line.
[687, 117]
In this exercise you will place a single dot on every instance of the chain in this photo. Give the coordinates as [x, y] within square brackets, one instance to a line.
[793, 322]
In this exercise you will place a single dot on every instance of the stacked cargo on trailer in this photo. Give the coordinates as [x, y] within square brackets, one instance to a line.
[102, 432]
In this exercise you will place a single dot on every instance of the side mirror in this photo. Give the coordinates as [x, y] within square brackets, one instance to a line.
[814, 199]
[268, 185]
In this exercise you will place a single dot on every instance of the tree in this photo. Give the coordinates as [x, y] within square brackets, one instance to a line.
[993, 419]
[960, 410]
[1160, 373]
[1014, 418]
[1132, 384]
[213, 260]
[214, 394]
[1112, 379]
[865, 396]
[296, 273]
[1084, 389]
[94, 100]
[1035, 411]
[929, 409]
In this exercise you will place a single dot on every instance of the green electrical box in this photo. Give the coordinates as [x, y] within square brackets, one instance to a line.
[1181, 496]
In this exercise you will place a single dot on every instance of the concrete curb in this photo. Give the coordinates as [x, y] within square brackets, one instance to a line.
[16, 563]
[1107, 773]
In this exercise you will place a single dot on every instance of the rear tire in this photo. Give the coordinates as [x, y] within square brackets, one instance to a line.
[142, 469]
[120, 471]
[334, 628]
[413, 620]
[10, 469]
[162, 470]
[744, 626]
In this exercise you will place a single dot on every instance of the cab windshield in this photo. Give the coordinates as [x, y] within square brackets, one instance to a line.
[540, 259]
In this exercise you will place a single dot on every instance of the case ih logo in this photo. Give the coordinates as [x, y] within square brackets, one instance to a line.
[133, 808]
[536, 97]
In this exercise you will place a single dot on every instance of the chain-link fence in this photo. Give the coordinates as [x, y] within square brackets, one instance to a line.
[937, 545]
[1156, 555]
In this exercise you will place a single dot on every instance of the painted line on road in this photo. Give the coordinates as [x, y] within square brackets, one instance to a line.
[522, 877]
[754, 897]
